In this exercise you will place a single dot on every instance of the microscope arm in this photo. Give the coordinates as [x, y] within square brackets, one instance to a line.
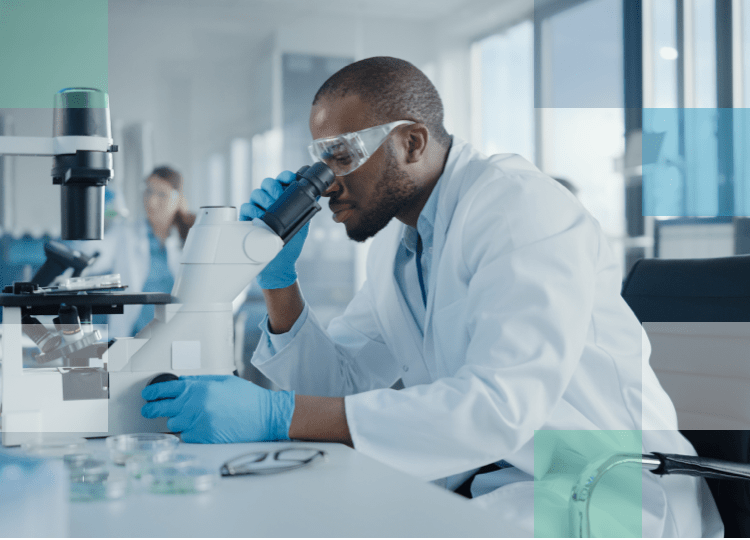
[222, 254]
[221, 257]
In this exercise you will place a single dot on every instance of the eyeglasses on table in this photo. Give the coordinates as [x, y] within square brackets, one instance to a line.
[258, 463]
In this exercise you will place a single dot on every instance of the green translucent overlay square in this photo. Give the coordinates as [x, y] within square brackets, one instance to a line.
[560, 458]
[48, 45]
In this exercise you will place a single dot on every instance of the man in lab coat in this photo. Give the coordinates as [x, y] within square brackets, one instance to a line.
[494, 299]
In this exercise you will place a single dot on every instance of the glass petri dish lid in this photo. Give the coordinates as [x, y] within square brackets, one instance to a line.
[92, 479]
[74, 461]
[54, 446]
[138, 465]
[99, 486]
[180, 480]
[154, 447]
[85, 469]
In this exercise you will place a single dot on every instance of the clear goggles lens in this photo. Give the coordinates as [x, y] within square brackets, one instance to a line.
[346, 152]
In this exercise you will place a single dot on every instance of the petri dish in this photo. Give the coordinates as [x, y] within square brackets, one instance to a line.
[54, 446]
[75, 460]
[180, 480]
[137, 465]
[101, 487]
[82, 467]
[156, 447]
[92, 480]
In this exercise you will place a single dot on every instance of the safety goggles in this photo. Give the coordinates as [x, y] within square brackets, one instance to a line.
[161, 197]
[347, 152]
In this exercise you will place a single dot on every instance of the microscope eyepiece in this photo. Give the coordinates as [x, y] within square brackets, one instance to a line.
[299, 202]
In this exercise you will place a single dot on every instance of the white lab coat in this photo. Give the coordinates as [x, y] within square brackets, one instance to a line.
[525, 330]
[125, 250]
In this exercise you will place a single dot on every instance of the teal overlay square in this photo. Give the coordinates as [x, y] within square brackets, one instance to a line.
[48, 45]
[694, 162]
[560, 458]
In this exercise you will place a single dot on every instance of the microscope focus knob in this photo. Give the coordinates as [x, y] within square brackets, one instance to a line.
[162, 377]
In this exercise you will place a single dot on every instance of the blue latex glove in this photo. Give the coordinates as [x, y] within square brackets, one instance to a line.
[280, 272]
[220, 409]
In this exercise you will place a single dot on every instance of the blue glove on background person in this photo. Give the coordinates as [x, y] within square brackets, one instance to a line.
[220, 409]
[280, 272]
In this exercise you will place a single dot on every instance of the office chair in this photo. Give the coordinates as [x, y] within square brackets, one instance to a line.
[708, 291]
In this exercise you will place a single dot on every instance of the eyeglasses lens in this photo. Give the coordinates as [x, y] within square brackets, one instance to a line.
[267, 463]
[298, 455]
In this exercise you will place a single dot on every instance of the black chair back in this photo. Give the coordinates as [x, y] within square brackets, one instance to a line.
[690, 290]
[701, 290]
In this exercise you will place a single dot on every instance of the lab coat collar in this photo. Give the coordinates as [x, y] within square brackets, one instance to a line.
[450, 187]
[451, 183]
[409, 238]
[425, 223]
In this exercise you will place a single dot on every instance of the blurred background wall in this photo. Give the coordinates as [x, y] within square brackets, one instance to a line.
[638, 103]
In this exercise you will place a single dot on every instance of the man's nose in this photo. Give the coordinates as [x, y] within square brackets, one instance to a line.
[333, 188]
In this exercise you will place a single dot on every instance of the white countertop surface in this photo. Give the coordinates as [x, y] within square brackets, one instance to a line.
[345, 495]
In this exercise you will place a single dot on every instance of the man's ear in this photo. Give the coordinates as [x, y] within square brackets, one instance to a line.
[417, 138]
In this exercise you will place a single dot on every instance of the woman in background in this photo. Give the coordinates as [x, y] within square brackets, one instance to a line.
[146, 254]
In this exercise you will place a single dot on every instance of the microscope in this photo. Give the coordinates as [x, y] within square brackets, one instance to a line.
[82, 383]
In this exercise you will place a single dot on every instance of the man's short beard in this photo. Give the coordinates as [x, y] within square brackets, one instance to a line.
[394, 191]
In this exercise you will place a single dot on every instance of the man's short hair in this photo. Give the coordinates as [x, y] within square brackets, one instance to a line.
[394, 89]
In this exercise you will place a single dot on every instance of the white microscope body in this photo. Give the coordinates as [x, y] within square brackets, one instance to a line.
[193, 337]
[97, 391]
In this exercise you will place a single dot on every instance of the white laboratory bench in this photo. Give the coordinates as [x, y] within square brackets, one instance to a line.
[345, 495]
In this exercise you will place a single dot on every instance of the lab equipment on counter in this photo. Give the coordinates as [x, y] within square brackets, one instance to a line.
[93, 479]
[54, 446]
[93, 386]
[154, 447]
[138, 465]
[133, 463]
[179, 480]
[170, 474]
[90, 477]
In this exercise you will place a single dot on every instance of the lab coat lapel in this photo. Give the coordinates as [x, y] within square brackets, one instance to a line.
[451, 187]
[398, 325]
